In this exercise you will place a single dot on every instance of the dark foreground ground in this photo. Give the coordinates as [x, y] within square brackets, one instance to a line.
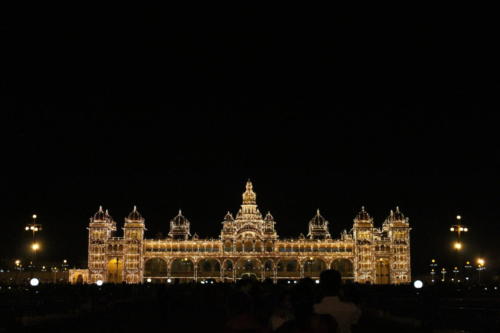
[209, 307]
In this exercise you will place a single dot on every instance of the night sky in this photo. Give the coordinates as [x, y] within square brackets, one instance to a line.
[170, 108]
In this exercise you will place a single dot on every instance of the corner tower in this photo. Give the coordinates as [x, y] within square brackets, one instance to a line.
[398, 228]
[100, 229]
[133, 235]
[364, 251]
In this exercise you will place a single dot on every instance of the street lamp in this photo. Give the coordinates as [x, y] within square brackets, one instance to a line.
[468, 269]
[443, 271]
[480, 267]
[455, 271]
[34, 228]
[433, 266]
[459, 229]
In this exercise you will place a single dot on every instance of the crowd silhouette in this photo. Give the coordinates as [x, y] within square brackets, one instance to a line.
[247, 306]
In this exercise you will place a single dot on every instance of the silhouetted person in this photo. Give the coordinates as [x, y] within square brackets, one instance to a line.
[345, 313]
[241, 316]
[305, 320]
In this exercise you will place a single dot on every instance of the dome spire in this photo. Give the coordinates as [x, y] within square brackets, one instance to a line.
[100, 215]
[135, 215]
[363, 217]
[249, 196]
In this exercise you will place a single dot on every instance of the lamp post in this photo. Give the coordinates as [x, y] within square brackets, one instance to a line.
[443, 271]
[468, 270]
[458, 228]
[480, 267]
[455, 272]
[433, 266]
[34, 228]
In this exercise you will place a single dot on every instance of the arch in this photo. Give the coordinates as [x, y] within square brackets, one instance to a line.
[182, 267]
[115, 270]
[314, 267]
[344, 266]
[208, 268]
[382, 272]
[268, 267]
[248, 267]
[248, 245]
[155, 267]
[79, 279]
[269, 246]
[228, 268]
[288, 268]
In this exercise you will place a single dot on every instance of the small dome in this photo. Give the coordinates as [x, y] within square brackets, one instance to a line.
[269, 217]
[107, 215]
[363, 215]
[100, 215]
[135, 215]
[396, 215]
[180, 220]
[229, 217]
[318, 219]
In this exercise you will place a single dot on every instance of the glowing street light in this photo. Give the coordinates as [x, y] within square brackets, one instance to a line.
[459, 229]
[480, 267]
[34, 227]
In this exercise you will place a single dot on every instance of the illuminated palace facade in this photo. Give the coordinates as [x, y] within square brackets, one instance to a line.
[248, 246]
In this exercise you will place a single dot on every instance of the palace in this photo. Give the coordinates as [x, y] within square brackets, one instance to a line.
[248, 246]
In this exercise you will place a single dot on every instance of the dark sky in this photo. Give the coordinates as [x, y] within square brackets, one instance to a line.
[172, 108]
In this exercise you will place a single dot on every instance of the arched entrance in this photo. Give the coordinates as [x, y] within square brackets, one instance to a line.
[345, 267]
[208, 268]
[228, 269]
[288, 269]
[182, 268]
[115, 270]
[313, 267]
[155, 267]
[246, 267]
[383, 272]
[268, 269]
